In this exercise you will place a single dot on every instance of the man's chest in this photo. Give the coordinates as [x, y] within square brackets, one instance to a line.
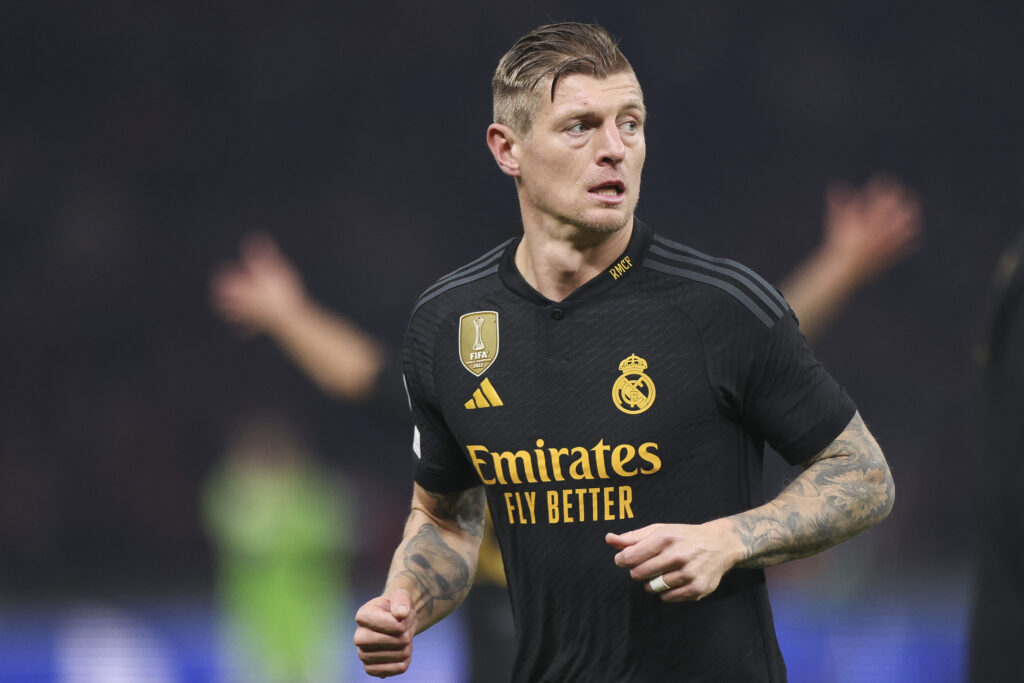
[619, 375]
[597, 413]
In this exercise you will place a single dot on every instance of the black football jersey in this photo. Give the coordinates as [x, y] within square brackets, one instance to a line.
[645, 396]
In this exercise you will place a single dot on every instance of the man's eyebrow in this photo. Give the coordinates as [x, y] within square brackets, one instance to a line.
[585, 112]
[578, 113]
[638, 105]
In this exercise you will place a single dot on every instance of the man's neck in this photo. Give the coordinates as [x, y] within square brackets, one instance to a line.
[556, 266]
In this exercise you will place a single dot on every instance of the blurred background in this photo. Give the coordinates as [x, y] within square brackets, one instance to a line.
[139, 143]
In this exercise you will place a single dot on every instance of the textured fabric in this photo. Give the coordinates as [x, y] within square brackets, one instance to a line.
[645, 396]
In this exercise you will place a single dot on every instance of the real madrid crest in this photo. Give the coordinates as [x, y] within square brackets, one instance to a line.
[478, 340]
[633, 392]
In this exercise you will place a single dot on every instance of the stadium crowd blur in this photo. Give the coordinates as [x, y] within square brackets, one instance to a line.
[139, 143]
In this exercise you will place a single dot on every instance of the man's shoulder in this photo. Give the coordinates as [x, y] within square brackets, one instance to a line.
[465, 281]
[707, 282]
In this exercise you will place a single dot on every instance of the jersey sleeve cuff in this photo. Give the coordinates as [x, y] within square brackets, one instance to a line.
[813, 442]
[441, 482]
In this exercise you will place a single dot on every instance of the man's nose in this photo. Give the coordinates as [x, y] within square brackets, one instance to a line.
[610, 147]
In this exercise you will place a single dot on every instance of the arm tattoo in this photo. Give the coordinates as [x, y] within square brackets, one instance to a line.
[465, 508]
[440, 572]
[845, 489]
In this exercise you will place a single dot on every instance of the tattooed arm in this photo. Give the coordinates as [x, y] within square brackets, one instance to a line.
[430, 575]
[437, 557]
[844, 489]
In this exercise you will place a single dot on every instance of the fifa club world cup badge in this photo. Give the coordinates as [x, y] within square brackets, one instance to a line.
[478, 340]
[633, 392]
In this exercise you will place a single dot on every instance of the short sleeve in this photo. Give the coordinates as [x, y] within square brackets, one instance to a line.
[790, 400]
[440, 465]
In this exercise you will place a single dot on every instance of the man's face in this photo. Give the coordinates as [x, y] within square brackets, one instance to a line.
[580, 163]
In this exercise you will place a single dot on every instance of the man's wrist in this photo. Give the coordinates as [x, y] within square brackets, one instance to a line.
[284, 317]
[731, 545]
[400, 581]
[845, 262]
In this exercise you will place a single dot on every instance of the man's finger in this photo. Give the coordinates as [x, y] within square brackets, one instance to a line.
[637, 554]
[689, 592]
[379, 656]
[643, 544]
[382, 622]
[628, 538]
[401, 604]
[386, 670]
[369, 640]
[656, 565]
[378, 618]
[616, 541]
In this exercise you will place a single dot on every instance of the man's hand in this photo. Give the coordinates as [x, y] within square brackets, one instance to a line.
[386, 626]
[690, 559]
[866, 231]
[870, 229]
[260, 290]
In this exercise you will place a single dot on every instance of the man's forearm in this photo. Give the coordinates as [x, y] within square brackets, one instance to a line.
[819, 288]
[335, 353]
[437, 558]
[846, 489]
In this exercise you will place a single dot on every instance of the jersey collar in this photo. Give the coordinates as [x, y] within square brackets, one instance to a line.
[620, 270]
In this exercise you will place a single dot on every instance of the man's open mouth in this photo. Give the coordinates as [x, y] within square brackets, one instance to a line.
[612, 188]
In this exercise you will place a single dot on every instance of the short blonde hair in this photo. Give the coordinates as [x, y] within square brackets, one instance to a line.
[553, 50]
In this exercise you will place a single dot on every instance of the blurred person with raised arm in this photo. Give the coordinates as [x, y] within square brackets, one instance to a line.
[262, 292]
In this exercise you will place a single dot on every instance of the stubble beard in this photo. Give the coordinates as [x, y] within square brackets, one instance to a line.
[595, 230]
[601, 229]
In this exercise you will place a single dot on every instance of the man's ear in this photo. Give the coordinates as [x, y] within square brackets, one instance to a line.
[504, 145]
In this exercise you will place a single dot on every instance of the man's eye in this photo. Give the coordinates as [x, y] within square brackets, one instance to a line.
[631, 126]
[577, 129]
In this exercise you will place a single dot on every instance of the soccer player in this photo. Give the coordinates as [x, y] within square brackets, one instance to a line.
[610, 391]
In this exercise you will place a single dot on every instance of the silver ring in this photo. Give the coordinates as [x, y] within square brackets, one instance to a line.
[658, 584]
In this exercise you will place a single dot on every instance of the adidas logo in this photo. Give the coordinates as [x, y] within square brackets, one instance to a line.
[484, 397]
